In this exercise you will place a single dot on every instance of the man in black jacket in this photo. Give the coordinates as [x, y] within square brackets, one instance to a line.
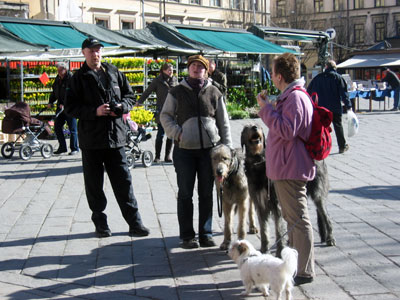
[98, 95]
[392, 79]
[58, 94]
[218, 78]
[332, 91]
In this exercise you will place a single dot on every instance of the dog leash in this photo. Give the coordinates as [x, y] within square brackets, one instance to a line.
[287, 232]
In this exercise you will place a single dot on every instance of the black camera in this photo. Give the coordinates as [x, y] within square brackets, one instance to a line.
[113, 105]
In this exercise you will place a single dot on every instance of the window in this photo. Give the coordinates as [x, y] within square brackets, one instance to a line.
[195, 2]
[215, 3]
[398, 28]
[255, 4]
[358, 4]
[280, 8]
[338, 5]
[102, 21]
[126, 24]
[358, 33]
[397, 2]
[318, 5]
[379, 3]
[300, 7]
[234, 4]
[379, 31]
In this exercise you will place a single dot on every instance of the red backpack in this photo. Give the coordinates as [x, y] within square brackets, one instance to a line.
[319, 143]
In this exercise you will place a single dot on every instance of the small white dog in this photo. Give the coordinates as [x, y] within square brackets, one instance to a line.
[264, 270]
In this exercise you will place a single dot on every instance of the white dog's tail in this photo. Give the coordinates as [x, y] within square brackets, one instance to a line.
[289, 256]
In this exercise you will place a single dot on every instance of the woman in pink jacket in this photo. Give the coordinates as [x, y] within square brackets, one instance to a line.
[288, 163]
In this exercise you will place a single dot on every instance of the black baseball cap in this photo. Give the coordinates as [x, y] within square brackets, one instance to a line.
[91, 42]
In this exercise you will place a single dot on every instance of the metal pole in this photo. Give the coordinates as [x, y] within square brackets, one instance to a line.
[143, 19]
[165, 14]
[254, 12]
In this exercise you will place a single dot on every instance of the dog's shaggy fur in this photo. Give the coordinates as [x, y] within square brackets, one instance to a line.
[264, 270]
[265, 200]
[231, 184]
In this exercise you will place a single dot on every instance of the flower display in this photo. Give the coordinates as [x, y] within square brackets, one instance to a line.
[141, 116]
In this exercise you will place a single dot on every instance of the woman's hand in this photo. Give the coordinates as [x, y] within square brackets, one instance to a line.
[261, 100]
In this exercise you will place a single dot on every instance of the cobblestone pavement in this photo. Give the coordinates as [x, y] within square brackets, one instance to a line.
[48, 249]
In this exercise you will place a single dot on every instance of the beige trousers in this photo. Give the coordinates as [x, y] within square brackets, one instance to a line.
[292, 196]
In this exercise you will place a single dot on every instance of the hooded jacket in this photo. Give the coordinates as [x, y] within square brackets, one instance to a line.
[85, 94]
[201, 118]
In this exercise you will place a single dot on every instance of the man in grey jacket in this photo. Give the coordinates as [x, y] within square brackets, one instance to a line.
[195, 117]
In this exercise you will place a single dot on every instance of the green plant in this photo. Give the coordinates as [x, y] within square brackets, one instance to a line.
[238, 96]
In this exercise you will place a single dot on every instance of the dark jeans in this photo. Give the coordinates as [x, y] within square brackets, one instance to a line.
[396, 97]
[114, 162]
[160, 133]
[188, 164]
[72, 126]
[337, 125]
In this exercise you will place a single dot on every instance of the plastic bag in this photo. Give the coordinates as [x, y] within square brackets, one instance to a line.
[352, 122]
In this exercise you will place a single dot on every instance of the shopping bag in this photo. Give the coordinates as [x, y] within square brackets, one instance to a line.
[352, 122]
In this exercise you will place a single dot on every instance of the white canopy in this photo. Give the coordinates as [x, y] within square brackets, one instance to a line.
[371, 61]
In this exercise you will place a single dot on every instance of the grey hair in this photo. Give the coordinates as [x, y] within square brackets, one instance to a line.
[62, 64]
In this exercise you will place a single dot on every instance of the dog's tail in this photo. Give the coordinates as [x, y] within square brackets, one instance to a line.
[289, 257]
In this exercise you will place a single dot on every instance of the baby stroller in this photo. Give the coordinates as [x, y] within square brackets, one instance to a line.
[134, 135]
[18, 120]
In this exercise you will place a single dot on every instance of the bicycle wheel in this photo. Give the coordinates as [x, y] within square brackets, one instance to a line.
[130, 158]
[7, 150]
[25, 152]
[147, 158]
[46, 150]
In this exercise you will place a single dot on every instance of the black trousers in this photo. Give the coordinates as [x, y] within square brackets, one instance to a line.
[337, 125]
[113, 161]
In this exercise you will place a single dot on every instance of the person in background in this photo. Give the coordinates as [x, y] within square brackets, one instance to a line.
[58, 94]
[98, 95]
[195, 117]
[161, 85]
[218, 78]
[288, 163]
[331, 89]
[392, 79]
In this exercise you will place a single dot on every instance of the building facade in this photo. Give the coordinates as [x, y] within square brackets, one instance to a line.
[359, 24]
[135, 14]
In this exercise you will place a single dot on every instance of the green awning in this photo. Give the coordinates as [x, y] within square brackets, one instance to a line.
[55, 36]
[232, 41]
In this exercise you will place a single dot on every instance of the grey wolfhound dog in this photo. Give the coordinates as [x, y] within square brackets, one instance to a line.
[263, 195]
[232, 190]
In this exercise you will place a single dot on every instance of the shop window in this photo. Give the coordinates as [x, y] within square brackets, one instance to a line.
[358, 4]
[398, 28]
[358, 33]
[379, 31]
[379, 3]
[318, 5]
